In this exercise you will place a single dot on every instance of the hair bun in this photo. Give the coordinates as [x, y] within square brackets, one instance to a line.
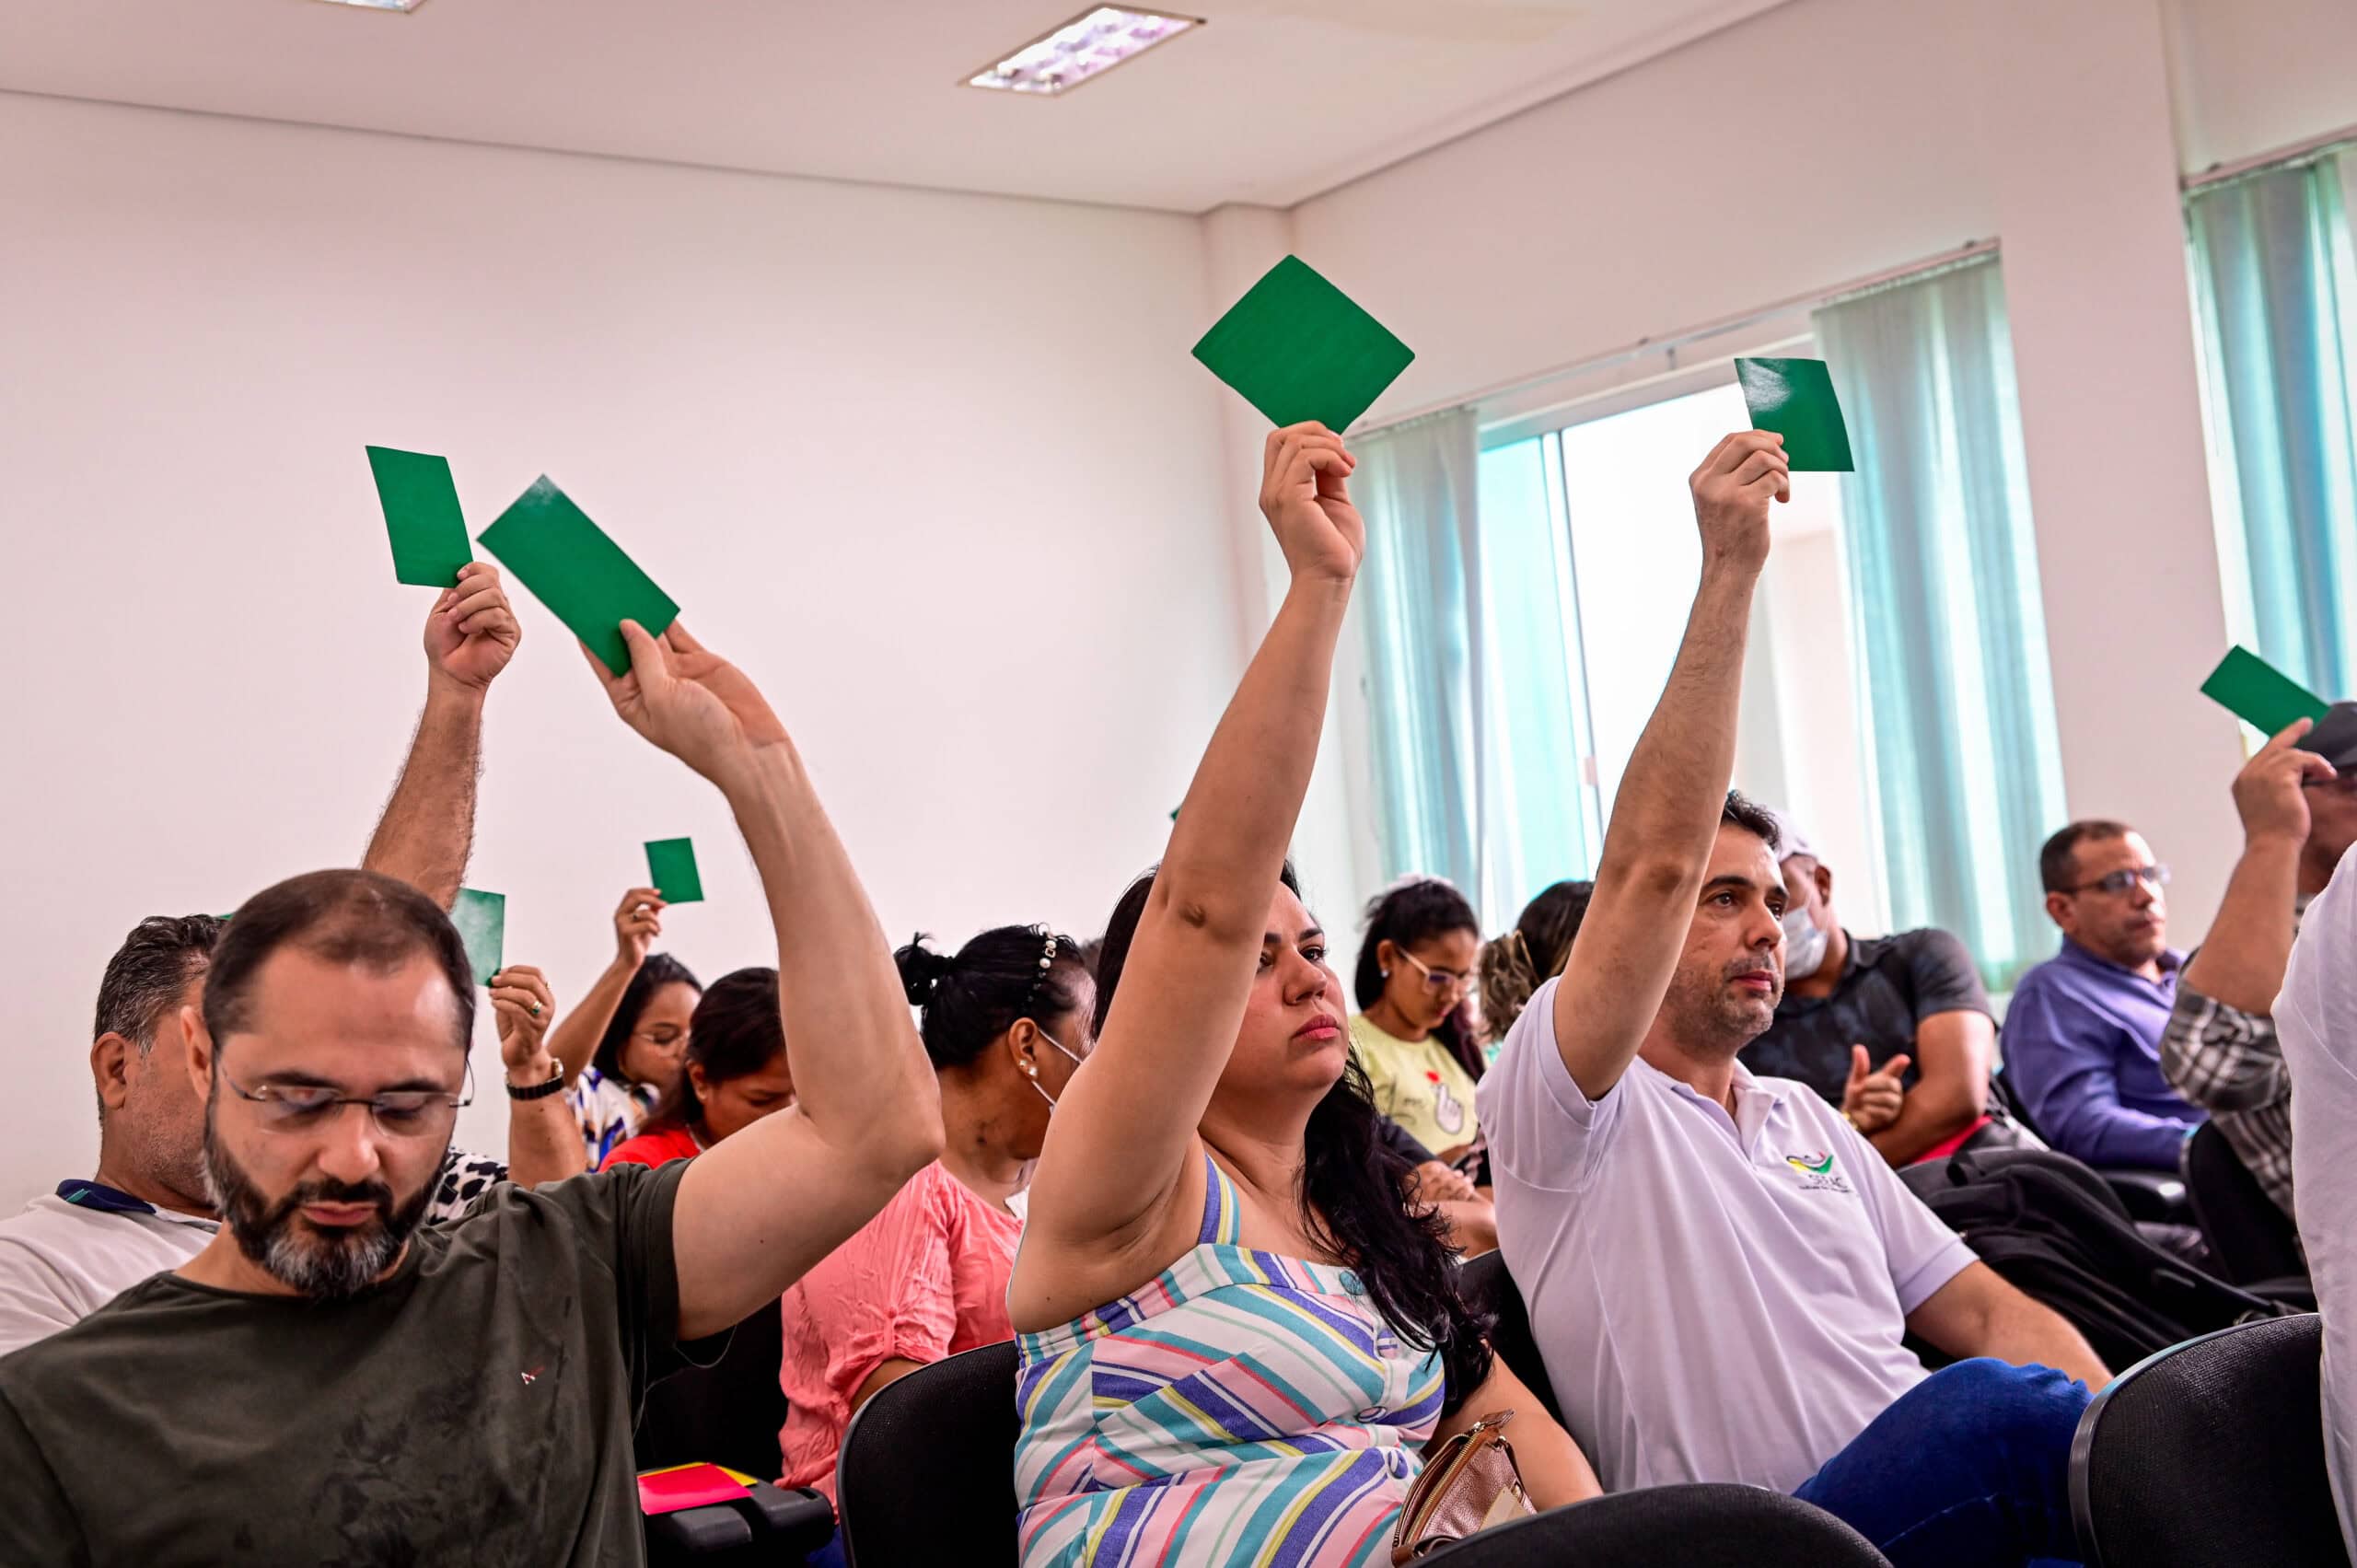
[922, 970]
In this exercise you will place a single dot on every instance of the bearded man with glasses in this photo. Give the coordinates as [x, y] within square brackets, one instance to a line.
[2081, 1042]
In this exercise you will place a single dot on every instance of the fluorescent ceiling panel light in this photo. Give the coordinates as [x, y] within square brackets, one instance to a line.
[1089, 45]
[381, 5]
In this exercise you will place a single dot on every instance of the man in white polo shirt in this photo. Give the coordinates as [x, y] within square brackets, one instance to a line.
[1720, 1272]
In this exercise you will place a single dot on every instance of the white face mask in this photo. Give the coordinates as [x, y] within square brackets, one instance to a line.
[1037, 1086]
[1805, 944]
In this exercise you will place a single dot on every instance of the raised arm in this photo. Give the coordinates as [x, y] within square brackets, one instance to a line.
[543, 1139]
[756, 1211]
[1665, 817]
[638, 920]
[429, 828]
[1117, 1147]
[2241, 963]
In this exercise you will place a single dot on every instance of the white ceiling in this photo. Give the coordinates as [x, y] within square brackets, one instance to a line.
[1274, 101]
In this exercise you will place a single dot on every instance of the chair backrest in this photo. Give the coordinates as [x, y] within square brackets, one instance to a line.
[2251, 1239]
[927, 1470]
[727, 1413]
[2210, 1453]
[1486, 1284]
[1699, 1525]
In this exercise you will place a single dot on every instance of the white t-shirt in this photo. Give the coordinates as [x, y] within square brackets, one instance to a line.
[1716, 1298]
[2315, 1019]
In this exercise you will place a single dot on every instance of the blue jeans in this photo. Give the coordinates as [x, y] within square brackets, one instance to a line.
[1971, 1467]
[828, 1556]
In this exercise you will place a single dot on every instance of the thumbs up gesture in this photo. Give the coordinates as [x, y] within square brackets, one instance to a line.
[1871, 1100]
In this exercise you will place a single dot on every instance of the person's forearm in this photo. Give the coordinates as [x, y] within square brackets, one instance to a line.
[2242, 961]
[2029, 1334]
[1928, 1117]
[1675, 787]
[2116, 1136]
[1239, 813]
[861, 1076]
[574, 1040]
[543, 1138]
[428, 826]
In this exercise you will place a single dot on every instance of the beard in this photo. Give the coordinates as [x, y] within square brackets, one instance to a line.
[1706, 1014]
[330, 1265]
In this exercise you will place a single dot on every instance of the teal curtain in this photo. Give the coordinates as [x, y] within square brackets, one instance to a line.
[1416, 486]
[2275, 287]
[1959, 706]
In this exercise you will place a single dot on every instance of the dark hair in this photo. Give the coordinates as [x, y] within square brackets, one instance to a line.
[659, 970]
[2057, 862]
[1351, 1193]
[151, 971]
[996, 979]
[1742, 811]
[358, 918]
[1406, 915]
[1515, 965]
[736, 1032]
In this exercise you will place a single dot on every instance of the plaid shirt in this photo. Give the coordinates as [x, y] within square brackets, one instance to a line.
[2230, 1063]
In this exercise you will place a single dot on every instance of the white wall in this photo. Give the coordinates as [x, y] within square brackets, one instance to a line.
[937, 470]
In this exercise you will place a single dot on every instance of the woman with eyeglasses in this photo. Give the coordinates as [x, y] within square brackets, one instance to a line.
[1413, 1033]
[622, 1046]
[1006, 1021]
[733, 1073]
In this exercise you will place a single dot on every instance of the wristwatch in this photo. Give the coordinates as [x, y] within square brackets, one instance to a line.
[552, 1085]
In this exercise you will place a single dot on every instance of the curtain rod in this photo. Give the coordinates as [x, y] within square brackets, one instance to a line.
[2219, 172]
[1679, 339]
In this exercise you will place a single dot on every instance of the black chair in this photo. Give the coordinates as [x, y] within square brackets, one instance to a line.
[2156, 1196]
[727, 1413]
[1693, 1527]
[1488, 1286]
[2253, 1240]
[2211, 1453]
[771, 1526]
[927, 1471]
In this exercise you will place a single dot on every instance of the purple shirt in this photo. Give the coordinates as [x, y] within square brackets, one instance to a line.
[2082, 1046]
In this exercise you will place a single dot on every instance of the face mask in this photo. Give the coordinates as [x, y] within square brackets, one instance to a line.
[1805, 944]
[1060, 1045]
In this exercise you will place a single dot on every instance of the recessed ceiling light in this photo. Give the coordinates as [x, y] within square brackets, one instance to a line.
[381, 5]
[1089, 45]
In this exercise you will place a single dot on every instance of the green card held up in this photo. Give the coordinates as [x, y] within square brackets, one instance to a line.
[671, 870]
[580, 573]
[1794, 399]
[481, 920]
[1298, 349]
[2259, 694]
[421, 516]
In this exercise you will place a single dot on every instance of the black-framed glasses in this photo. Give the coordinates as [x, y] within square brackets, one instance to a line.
[399, 1114]
[2120, 883]
[1440, 982]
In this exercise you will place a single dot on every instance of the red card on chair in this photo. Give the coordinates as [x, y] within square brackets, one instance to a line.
[688, 1486]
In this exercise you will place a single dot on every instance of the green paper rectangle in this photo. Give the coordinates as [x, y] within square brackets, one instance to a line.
[583, 576]
[421, 516]
[2259, 694]
[481, 920]
[1794, 399]
[671, 870]
[1299, 349]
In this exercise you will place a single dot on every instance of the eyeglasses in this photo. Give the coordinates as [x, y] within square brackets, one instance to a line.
[2121, 882]
[1441, 982]
[399, 1114]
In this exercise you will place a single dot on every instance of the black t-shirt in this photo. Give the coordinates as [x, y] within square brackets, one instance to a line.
[475, 1408]
[1887, 988]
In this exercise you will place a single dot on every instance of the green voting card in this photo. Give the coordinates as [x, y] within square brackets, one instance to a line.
[2260, 695]
[1794, 399]
[671, 869]
[580, 573]
[1298, 349]
[481, 920]
[421, 502]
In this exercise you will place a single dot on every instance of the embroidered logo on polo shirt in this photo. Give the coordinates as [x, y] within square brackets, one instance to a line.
[1817, 1174]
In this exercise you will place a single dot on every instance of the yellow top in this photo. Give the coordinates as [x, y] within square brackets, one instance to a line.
[1418, 1085]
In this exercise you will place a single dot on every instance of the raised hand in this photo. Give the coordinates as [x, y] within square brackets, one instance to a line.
[637, 922]
[1306, 495]
[520, 996]
[689, 701]
[1732, 489]
[2271, 793]
[1872, 1099]
[472, 632]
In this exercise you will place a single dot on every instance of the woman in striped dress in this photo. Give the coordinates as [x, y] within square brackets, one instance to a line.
[1235, 1338]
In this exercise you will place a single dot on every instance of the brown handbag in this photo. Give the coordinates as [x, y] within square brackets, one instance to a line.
[1469, 1484]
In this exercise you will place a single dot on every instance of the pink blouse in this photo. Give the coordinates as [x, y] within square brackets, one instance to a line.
[922, 1280]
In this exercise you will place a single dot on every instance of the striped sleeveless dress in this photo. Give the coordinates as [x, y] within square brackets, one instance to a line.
[1245, 1409]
